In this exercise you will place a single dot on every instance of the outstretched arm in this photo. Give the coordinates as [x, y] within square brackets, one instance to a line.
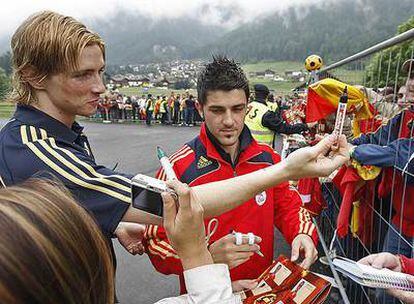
[222, 196]
[219, 197]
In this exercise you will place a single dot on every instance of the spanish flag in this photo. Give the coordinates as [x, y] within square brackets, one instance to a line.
[323, 98]
[356, 184]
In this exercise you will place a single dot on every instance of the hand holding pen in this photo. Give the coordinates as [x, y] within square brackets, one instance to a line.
[225, 250]
[240, 238]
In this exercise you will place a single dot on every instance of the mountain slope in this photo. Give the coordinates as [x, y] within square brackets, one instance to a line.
[334, 30]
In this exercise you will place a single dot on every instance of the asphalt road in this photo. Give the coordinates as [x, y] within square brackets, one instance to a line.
[132, 149]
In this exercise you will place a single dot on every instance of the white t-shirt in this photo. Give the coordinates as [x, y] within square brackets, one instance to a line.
[209, 284]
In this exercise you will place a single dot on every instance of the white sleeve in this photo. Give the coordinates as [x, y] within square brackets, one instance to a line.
[209, 284]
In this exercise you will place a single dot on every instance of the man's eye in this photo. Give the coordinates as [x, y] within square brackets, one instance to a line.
[80, 75]
[83, 75]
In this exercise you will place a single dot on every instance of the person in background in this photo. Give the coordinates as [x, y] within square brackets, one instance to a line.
[164, 110]
[170, 107]
[176, 113]
[271, 103]
[128, 108]
[149, 109]
[142, 107]
[190, 107]
[183, 109]
[134, 107]
[157, 106]
[391, 147]
[265, 123]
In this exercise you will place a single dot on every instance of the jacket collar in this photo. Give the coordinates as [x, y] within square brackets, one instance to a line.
[32, 116]
[248, 147]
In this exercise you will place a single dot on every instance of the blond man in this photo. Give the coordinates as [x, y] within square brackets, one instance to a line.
[58, 64]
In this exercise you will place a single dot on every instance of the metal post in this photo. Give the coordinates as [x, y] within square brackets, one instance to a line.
[334, 272]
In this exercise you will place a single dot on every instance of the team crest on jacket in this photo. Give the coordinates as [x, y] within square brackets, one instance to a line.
[261, 198]
[203, 162]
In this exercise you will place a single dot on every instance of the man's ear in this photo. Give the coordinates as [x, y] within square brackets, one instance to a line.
[199, 108]
[30, 75]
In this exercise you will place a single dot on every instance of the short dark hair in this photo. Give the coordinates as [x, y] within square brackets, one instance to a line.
[221, 74]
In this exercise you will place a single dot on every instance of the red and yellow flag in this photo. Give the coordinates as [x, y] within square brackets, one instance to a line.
[323, 98]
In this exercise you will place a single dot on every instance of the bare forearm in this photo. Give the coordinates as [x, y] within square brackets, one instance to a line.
[219, 197]
[138, 216]
[222, 196]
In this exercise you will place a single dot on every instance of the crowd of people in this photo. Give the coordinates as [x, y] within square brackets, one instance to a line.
[60, 210]
[172, 109]
[176, 109]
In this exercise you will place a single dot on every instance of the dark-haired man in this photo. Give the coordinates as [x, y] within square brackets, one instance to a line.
[225, 148]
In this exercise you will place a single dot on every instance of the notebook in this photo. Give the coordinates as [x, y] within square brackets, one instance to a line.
[372, 277]
[285, 282]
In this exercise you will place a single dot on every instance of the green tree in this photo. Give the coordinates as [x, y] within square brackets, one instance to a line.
[383, 67]
[4, 84]
[5, 63]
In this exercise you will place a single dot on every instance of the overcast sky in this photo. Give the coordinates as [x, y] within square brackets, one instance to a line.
[13, 12]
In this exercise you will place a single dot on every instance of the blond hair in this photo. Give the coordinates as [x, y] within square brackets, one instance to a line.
[44, 44]
[51, 250]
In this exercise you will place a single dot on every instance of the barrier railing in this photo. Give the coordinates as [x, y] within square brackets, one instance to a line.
[382, 216]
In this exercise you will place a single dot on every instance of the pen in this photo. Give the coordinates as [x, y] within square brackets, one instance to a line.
[166, 165]
[340, 114]
[260, 253]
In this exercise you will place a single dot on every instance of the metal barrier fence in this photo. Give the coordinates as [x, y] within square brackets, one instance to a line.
[382, 217]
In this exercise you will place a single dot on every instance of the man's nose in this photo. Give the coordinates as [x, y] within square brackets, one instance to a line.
[98, 86]
[228, 119]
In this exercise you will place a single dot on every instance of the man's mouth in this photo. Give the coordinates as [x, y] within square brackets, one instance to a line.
[94, 101]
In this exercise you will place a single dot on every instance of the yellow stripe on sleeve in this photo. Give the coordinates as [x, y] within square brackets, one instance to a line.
[67, 175]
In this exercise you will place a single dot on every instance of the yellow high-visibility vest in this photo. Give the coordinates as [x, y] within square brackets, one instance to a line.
[253, 121]
[163, 106]
[150, 104]
[272, 106]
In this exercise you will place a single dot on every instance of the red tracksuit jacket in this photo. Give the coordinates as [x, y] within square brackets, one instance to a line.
[200, 162]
